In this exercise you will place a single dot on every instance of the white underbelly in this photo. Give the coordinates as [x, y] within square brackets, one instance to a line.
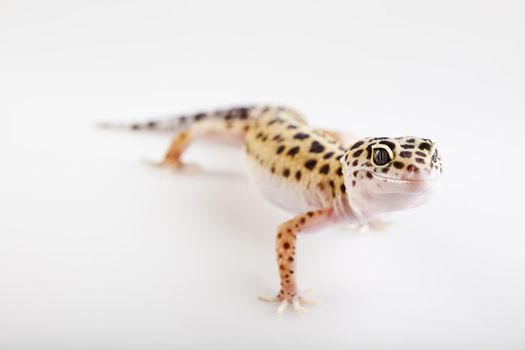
[282, 192]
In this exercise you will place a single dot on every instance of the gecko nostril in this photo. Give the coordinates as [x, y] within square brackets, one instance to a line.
[434, 153]
[435, 156]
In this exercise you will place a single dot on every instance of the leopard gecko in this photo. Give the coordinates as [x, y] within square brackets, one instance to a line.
[310, 172]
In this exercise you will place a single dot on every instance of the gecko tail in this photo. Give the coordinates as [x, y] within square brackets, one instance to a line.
[170, 124]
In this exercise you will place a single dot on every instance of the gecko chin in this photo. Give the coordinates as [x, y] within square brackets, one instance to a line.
[382, 194]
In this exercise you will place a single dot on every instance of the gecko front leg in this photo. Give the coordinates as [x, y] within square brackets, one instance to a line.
[285, 250]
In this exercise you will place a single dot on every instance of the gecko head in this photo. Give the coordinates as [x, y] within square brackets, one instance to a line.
[386, 174]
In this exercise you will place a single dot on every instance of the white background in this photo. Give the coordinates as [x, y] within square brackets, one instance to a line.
[98, 251]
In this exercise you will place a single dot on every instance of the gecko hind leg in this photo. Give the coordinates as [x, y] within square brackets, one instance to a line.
[172, 158]
[230, 133]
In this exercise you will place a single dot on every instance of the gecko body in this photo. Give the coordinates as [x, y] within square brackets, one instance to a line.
[311, 172]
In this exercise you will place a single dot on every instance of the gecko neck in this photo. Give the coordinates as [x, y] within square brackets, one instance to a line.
[346, 211]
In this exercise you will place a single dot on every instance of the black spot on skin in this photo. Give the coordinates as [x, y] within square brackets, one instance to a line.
[369, 151]
[424, 145]
[355, 173]
[277, 137]
[286, 245]
[407, 146]
[328, 155]
[264, 138]
[405, 154]
[339, 171]
[411, 140]
[357, 153]
[243, 113]
[331, 183]
[273, 169]
[420, 160]
[291, 126]
[298, 175]
[369, 175]
[200, 116]
[259, 135]
[343, 188]
[379, 138]
[301, 136]
[355, 162]
[151, 124]
[421, 154]
[385, 170]
[339, 157]
[286, 172]
[398, 165]
[293, 151]
[280, 149]
[316, 147]
[324, 169]
[357, 144]
[389, 144]
[353, 183]
[310, 164]
[276, 120]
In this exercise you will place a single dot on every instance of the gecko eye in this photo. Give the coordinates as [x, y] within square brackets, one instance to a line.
[382, 155]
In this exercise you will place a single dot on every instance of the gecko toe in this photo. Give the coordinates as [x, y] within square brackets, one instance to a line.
[297, 302]
[282, 307]
[183, 168]
[268, 299]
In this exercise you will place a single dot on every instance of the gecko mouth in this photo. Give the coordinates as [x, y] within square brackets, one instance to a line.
[398, 180]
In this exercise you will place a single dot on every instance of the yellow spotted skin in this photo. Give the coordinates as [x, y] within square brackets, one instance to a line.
[310, 171]
[286, 147]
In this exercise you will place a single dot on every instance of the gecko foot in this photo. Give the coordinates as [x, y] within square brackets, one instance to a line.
[296, 301]
[186, 168]
[377, 225]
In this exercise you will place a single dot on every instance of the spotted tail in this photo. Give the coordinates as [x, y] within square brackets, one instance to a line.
[184, 121]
